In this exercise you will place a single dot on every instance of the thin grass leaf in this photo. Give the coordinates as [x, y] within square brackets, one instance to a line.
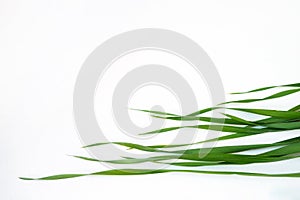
[223, 128]
[271, 113]
[267, 88]
[274, 96]
[147, 171]
[154, 112]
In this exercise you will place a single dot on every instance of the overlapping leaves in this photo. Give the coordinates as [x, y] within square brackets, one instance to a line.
[279, 121]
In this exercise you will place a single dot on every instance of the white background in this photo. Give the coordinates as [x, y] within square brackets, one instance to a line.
[43, 45]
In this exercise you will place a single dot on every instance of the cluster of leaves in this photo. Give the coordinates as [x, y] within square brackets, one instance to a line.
[279, 121]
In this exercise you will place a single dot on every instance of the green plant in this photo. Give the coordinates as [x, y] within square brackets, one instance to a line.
[279, 121]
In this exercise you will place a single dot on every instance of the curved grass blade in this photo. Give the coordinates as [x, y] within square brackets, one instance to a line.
[155, 112]
[274, 96]
[147, 171]
[296, 108]
[271, 113]
[267, 88]
[223, 128]
[287, 151]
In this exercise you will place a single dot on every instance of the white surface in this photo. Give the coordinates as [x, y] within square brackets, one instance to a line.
[42, 46]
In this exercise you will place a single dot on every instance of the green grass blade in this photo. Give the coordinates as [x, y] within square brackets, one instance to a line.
[147, 171]
[267, 88]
